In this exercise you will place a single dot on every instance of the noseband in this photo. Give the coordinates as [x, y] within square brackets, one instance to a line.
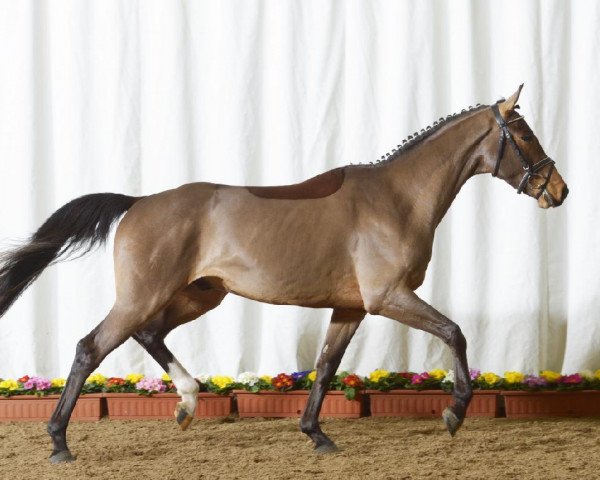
[530, 170]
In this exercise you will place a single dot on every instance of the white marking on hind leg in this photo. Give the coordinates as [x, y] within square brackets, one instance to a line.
[187, 388]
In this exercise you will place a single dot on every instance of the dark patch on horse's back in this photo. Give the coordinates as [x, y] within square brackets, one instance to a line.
[320, 186]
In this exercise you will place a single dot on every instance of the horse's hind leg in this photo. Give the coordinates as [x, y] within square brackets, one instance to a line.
[341, 330]
[186, 306]
[406, 307]
[118, 326]
[187, 388]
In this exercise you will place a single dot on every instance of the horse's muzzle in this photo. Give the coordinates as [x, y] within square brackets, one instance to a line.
[563, 195]
[553, 197]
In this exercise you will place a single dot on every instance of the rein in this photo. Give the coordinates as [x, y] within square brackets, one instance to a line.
[530, 170]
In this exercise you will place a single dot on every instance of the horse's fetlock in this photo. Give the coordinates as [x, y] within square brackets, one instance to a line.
[308, 427]
[54, 429]
[51, 428]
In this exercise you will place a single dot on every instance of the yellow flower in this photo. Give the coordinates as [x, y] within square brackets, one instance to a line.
[490, 378]
[165, 378]
[266, 378]
[514, 377]
[9, 384]
[312, 376]
[96, 378]
[550, 376]
[438, 374]
[58, 382]
[597, 375]
[221, 381]
[134, 377]
[376, 375]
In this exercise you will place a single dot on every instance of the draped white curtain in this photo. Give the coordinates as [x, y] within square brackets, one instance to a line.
[142, 96]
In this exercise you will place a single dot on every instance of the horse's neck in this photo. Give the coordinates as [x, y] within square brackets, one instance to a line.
[434, 172]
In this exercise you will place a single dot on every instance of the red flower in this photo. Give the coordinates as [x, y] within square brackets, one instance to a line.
[115, 381]
[282, 381]
[23, 379]
[571, 379]
[353, 381]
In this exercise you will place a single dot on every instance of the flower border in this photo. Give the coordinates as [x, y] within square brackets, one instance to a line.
[349, 383]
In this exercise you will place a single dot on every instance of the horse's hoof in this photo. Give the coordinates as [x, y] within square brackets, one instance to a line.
[452, 422]
[64, 456]
[326, 448]
[183, 417]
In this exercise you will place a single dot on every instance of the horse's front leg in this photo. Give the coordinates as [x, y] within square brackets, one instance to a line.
[406, 307]
[341, 329]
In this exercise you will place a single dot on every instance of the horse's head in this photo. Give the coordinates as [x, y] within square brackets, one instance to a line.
[520, 160]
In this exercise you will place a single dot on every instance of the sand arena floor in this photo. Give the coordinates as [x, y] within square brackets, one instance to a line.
[372, 448]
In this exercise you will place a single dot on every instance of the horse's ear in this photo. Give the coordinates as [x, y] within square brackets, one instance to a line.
[509, 105]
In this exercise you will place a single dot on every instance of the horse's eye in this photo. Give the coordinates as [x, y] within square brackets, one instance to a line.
[527, 138]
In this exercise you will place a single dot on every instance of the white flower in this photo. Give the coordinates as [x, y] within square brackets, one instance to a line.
[248, 378]
[449, 378]
[587, 374]
[203, 378]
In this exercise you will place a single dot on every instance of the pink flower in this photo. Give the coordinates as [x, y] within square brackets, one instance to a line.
[535, 382]
[151, 385]
[37, 383]
[417, 379]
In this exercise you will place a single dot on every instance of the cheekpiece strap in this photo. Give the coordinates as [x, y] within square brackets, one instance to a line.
[504, 133]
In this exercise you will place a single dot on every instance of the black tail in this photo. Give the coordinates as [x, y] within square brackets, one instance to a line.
[78, 227]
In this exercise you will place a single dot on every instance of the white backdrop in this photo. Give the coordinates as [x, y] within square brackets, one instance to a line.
[138, 97]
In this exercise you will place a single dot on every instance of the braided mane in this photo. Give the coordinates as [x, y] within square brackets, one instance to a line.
[418, 137]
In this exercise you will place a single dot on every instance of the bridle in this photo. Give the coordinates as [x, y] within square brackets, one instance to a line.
[530, 169]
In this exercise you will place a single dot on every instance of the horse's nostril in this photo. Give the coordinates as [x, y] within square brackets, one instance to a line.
[565, 192]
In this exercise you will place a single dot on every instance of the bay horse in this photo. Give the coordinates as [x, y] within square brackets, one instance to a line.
[356, 239]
